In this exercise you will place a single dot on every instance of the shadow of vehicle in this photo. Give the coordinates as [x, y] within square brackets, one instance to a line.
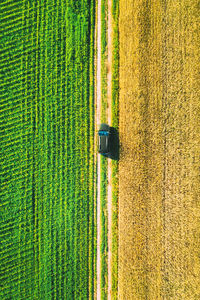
[114, 144]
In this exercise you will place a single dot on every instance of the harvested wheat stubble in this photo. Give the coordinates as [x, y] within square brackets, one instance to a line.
[159, 127]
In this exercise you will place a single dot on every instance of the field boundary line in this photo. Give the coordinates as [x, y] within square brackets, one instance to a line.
[109, 117]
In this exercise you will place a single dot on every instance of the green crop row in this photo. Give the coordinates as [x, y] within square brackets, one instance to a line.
[104, 163]
[48, 228]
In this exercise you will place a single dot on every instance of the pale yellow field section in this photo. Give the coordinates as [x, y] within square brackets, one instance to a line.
[159, 167]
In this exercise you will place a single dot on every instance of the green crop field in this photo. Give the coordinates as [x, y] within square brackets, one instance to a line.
[47, 175]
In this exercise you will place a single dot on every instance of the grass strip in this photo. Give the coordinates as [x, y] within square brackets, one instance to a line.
[104, 162]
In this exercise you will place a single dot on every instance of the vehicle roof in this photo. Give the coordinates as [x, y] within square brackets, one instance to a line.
[103, 144]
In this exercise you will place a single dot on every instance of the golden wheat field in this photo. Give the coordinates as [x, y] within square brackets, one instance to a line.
[159, 168]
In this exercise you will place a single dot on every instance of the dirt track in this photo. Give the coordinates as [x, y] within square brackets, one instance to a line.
[109, 187]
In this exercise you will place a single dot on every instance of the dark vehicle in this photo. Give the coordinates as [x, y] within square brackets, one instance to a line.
[104, 137]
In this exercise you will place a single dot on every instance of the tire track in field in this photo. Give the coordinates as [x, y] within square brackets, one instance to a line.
[98, 120]
[109, 116]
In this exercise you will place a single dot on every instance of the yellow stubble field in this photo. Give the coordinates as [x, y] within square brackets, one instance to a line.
[159, 168]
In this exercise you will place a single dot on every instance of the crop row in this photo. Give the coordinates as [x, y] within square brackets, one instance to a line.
[47, 151]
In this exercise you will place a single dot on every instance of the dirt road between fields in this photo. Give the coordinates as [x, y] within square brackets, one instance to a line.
[98, 121]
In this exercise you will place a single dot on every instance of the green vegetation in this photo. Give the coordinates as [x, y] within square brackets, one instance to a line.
[115, 64]
[104, 163]
[104, 101]
[48, 243]
[104, 229]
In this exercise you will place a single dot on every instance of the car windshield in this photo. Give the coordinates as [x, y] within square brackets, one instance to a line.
[101, 133]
